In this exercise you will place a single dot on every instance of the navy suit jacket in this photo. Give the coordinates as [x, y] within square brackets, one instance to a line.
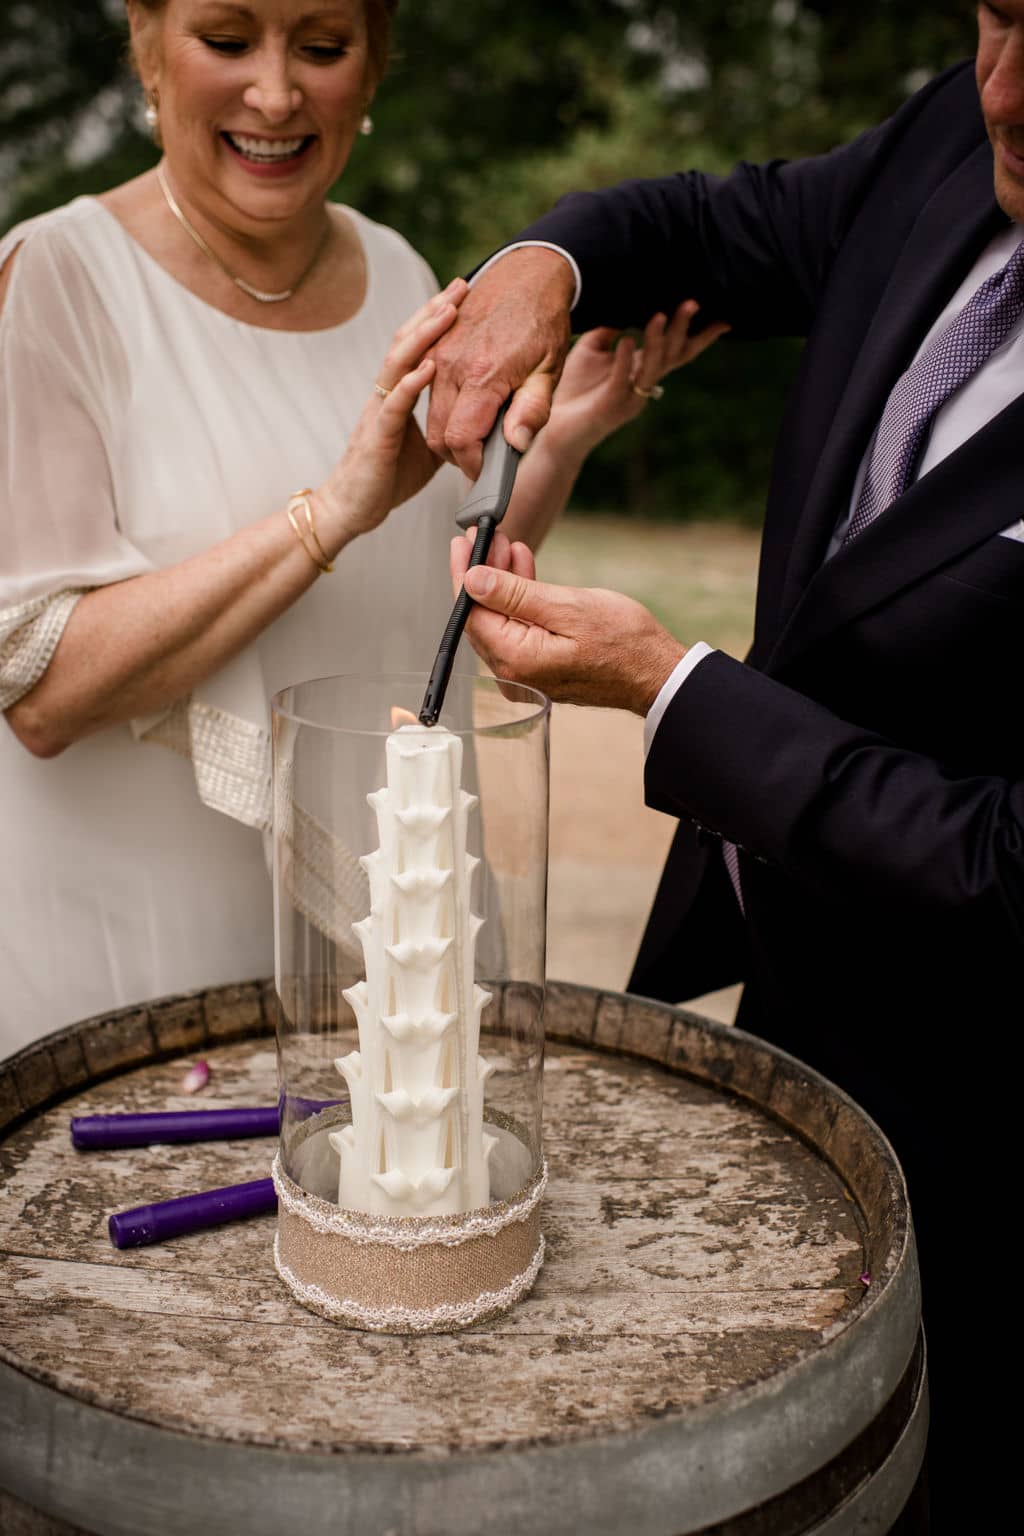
[868, 757]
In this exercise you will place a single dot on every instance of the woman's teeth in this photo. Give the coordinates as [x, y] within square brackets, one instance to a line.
[265, 150]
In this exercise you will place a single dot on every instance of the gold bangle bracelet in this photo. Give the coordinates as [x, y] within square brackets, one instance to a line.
[319, 559]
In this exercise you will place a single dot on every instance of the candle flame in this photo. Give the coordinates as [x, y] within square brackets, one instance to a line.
[400, 716]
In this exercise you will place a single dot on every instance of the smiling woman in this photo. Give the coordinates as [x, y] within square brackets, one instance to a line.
[257, 109]
[179, 359]
[209, 383]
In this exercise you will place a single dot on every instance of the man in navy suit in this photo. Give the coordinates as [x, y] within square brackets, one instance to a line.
[851, 797]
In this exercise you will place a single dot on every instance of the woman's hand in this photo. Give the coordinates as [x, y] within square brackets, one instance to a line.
[113, 662]
[606, 374]
[387, 459]
[607, 380]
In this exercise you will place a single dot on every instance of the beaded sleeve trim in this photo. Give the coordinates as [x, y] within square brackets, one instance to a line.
[230, 758]
[29, 634]
[323, 878]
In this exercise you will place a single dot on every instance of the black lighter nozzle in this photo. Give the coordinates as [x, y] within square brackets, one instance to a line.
[437, 687]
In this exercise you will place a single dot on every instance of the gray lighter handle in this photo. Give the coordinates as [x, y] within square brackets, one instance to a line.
[492, 490]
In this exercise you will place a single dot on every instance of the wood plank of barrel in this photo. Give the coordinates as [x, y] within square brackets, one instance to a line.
[704, 1347]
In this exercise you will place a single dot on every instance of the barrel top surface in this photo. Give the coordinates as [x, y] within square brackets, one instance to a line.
[696, 1246]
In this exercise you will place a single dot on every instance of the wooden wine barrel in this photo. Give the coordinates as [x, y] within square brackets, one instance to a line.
[725, 1336]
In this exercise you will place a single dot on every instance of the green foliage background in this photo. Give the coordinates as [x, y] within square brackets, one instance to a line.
[491, 111]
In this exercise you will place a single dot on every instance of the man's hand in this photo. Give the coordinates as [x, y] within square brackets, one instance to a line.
[579, 645]
[512, 334]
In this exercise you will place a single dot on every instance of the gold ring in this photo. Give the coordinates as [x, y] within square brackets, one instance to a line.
[379, 389]
[654, 393]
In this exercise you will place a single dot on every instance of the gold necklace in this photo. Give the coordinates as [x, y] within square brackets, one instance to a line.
[254, 293]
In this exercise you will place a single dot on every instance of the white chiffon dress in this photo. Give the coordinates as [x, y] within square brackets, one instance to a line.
[139, 426]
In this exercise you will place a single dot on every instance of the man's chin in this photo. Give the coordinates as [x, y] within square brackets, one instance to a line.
[1010, 196]
[1009, 179]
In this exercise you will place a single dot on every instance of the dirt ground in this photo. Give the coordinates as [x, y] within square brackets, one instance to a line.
[606, 847]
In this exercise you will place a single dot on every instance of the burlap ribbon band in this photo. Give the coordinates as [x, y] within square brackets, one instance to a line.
[365, 1281]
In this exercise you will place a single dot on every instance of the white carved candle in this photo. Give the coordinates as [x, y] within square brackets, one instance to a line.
[416, 1145]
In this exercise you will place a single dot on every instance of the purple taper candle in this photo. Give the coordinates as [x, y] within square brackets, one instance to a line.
[93, 1133]
[191, 1213]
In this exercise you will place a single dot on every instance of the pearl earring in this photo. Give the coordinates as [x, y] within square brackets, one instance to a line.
[152, 112]
[366, 126]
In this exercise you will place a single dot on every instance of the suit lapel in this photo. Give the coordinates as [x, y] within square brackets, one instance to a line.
[954, 226]
[939, 518]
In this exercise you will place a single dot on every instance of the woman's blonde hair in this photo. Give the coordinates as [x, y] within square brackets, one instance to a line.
[380, 16]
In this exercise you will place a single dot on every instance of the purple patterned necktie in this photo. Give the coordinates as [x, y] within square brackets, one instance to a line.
[947, 362]
[730, 854]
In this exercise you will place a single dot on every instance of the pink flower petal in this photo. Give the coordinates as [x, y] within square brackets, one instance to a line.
[865, 1278]
[196, 1077]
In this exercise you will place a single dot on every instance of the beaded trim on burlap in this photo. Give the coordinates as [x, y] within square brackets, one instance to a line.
[406, 1232]
[407, 1274]
[394, 1318]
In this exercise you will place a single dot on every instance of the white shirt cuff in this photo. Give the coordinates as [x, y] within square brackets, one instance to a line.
[670, 687]
[545, 245]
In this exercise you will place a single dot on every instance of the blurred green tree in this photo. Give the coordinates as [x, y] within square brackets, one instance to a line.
[489, 113]
[70, 113]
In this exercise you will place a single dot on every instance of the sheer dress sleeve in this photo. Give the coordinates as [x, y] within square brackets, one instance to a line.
[63, 377]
